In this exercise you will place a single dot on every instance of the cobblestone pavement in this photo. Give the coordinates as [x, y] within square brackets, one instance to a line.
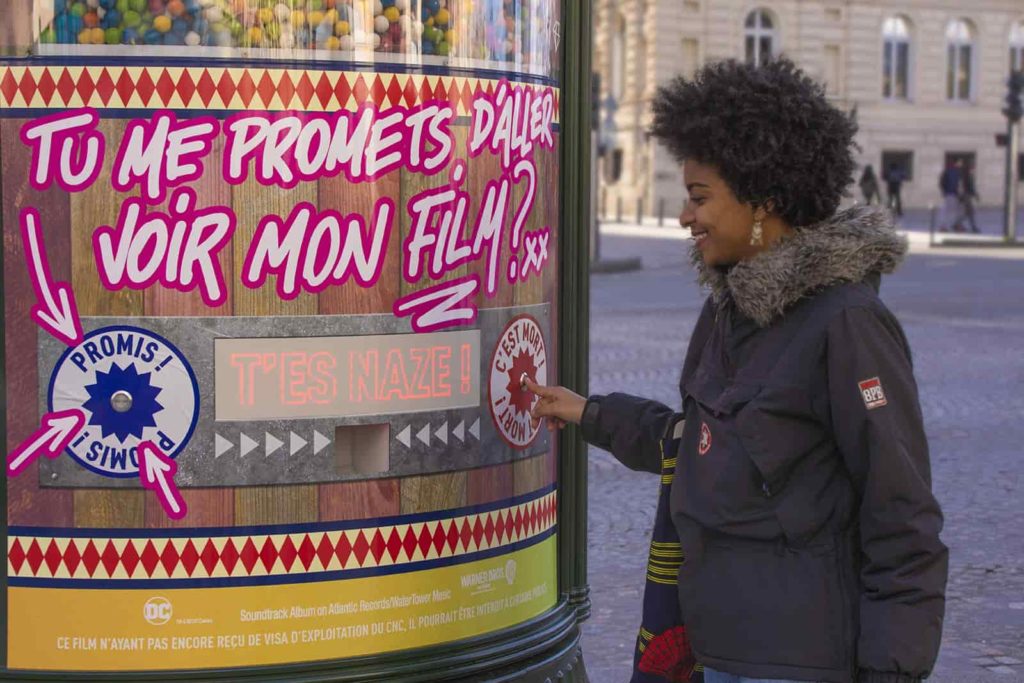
[963, 312]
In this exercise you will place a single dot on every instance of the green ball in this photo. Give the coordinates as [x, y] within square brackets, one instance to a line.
[138, 5]
[122, 6]
[131, 19]
[444, 49]
[112, 36]
[314, 5]
[78, 9]
[47, 35]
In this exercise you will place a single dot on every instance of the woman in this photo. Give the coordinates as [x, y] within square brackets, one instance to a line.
[869, 186]
[801, 495]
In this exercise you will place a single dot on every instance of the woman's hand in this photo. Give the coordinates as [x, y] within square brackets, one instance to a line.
[559, 405]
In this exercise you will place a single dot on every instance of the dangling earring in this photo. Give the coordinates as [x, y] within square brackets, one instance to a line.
[757, 233]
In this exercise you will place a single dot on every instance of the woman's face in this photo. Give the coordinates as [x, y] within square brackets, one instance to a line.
[721, 224]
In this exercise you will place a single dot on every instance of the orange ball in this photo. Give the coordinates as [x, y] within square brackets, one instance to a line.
[176, 8]
[90, 20]
[330, 4]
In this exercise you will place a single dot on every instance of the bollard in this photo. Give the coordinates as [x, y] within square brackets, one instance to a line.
[618, 209]
[931, 225]
[639, 211]
[661, 212]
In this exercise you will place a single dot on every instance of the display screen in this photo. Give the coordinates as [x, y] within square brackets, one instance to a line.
[288, 377]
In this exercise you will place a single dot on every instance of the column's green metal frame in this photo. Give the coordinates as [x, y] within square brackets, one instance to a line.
[545, 648]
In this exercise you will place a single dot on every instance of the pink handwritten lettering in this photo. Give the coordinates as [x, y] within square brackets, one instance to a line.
[178, 250]
[443, 305]
[511, 121]
[311, 250]
[161, 153]
[66, 148]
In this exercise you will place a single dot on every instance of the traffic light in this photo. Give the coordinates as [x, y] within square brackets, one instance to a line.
[1014, 107]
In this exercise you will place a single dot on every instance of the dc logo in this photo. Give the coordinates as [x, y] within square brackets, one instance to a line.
[705, 439]
[132, 385]
[157, 611]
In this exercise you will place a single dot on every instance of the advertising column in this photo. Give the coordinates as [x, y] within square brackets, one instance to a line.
[274, 273]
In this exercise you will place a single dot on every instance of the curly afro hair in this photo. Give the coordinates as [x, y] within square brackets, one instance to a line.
[769, 132]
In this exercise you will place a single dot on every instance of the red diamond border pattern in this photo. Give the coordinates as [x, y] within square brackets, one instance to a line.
[204, 557]
[235, 89]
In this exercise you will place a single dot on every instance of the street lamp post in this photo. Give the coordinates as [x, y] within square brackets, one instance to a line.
[1014, 110]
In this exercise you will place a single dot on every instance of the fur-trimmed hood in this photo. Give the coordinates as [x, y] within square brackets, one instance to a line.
[849, 247]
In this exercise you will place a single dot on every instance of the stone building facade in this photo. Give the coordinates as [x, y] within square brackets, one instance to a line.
[926, 77]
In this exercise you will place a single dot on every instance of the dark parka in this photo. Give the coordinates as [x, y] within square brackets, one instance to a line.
[802, 494]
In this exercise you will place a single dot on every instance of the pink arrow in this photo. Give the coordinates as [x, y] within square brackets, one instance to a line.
[157, 472]
[55, 311]
[56, 432]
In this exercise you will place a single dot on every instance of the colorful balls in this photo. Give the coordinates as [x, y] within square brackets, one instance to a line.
[376, 41]
[381, 24]
[286, 40]
[313, 5]
[432, 6]
[265, 15]
[112, 36]
[341, 28]
[345, 43]
[112, 19]
[298, 17]
[255, 35]
[97, 36]
[122, 6]
[48, 35]
[162, 23]
[427, 47]
[156, 6]
[83, 36]
[442, 17]
[90, 20]
[332, 43]
[179, 27]
[443, 49]
[378, 7]
[283, 12]
[78, 10]
[131, 19]
[315, 18]
[392, 14]
[152, 37]
[137, 5]
[213, 14]
[130, 36]
[402, 5]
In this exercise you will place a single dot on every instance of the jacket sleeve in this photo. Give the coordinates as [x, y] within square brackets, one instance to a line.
[876, 416]
[629, 427]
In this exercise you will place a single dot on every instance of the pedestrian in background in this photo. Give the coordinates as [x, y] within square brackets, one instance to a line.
[894, 176]
[808, 536]
[951, 215]
[869, 186]
[968, 197]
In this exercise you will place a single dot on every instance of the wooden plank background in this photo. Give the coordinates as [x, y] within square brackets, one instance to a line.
[72, 259]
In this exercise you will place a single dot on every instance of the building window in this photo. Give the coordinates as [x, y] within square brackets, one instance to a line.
[618, 66]
[760, 37]
[959, 61]
[900, 161]
[896, 59]
[1017, 47]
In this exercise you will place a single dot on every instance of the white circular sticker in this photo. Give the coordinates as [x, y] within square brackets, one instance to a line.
[520, 351]
[133, 386]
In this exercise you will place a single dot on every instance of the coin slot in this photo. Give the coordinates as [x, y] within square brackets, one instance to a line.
[362, 449]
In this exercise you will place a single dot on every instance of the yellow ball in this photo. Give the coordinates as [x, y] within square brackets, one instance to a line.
[162, 23]
[255, 35]
[315, 17]
[97, 36]
[85, 37]
[332, 43]
[443, 17]
[429, 22]
[450, 36]
[331, 16]
[298, 17]
[392, 14]
[265, 15]
[341, 28]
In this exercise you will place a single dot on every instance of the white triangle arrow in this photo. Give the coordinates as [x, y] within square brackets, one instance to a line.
[272, 443]
[295, 442]
[475, 429]
[424, 434]
[246, 444]
[319, 442]
[405, 436]
[460, 431]
[221, 445]
[442, 433]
